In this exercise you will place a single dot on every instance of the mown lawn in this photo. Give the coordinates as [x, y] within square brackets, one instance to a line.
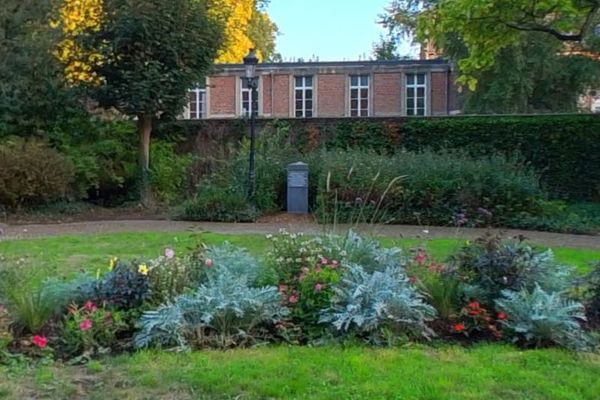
[418, 372]
[485, 371]
[64, 255]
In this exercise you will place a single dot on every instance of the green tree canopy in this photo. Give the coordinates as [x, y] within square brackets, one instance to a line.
[151, 52]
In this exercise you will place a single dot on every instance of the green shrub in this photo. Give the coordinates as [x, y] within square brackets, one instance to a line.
[538, 318]
[170, 276]
[104, 155]
[591, 295]
[89, 330]
[558, 216]
[168, 171]
[219, 203]
[32, 173]
[424, 188]
[490, 265]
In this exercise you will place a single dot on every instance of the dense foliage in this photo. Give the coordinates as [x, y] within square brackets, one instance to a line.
[308, 290]
[490, 265]
[32, 173]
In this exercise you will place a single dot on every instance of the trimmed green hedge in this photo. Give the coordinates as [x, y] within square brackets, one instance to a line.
[564, 150]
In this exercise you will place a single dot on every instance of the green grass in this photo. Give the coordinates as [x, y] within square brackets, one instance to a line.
[65, 255]
[486, 371]
[417, 372]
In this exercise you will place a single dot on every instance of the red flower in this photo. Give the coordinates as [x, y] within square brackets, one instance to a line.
[502, 316]
[474, 312]
[459, 327]
[474, 305]
[89, 306]
[85, 325]
[40, 341]
[420, 257]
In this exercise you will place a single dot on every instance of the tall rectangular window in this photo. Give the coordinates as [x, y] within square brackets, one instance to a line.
[303, 96]
[359, 95]
[416, 94]
[245, 99]
[197, 103]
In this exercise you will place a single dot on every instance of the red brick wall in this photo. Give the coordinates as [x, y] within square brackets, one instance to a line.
[387, 94]
[222, 95]
[281, 95]
[331, 95]
[438, 93]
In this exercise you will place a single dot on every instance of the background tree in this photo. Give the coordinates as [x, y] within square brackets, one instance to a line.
[33, 95]
[534, 72]
[488, 27]
[138, 56]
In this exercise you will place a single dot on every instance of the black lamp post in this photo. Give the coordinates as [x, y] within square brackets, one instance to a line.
[250, 62]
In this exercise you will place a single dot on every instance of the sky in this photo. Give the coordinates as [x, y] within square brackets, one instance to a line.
[332, 30]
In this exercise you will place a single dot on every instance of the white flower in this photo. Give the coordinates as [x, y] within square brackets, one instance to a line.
[426, 231]
[269, 236]
[343, 253]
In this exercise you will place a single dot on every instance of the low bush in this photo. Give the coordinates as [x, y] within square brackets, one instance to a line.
[367, 304]
[220, 204]
[539, 318]
[126, 286]
[590, 294]
[227, 258]
[490, 265]
[89, 330]
[32, 173]
[224, 312]
[558, 216]
[424, 188]
[170, 276]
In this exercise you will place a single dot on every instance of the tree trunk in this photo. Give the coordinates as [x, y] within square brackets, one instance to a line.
[144, 126]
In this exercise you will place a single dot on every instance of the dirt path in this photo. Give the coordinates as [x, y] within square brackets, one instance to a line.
[96, 227]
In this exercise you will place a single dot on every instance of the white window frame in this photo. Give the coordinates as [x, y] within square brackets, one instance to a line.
[243, 112]
[359, 88]
[304, 88]
[416, 86]
[200, 109]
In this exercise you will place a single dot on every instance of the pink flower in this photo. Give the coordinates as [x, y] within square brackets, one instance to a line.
[318, 269]
[323, 261]
[89, 306]
[85, 325]
[293, 299]
[40, 341]
[318, 287]
[334, 264]
[208, 262]
[169, 253]
[420, 257]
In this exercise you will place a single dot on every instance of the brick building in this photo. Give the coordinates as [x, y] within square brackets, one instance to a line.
[329, 89]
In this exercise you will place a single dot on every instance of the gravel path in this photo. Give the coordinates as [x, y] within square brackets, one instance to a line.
[96, 227]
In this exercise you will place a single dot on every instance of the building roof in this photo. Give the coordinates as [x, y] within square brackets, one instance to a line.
[324, 66]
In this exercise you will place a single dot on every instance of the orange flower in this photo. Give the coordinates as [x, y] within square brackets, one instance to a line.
[459, 327]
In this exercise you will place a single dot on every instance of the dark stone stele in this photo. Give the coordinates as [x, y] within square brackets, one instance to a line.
[297, 188]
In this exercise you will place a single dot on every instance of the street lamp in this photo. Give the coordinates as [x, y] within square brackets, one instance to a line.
[250, 62]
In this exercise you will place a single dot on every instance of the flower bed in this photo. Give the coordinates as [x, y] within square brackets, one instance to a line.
[307, 290]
